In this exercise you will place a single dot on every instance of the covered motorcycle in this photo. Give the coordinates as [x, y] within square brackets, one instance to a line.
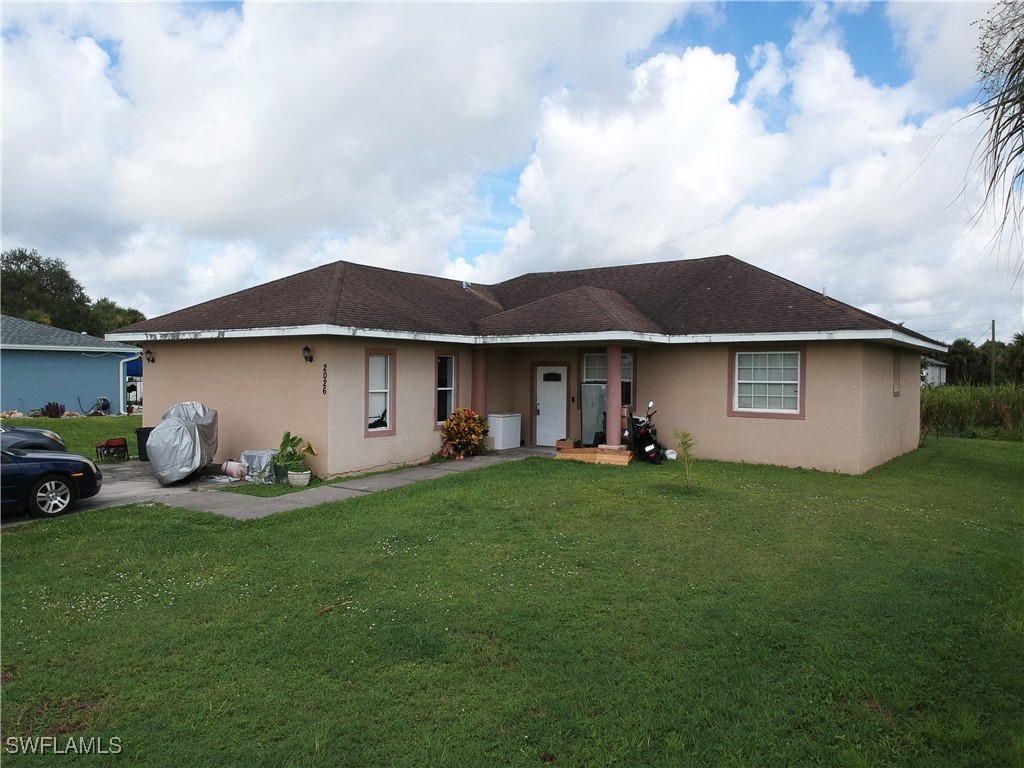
[183, 443]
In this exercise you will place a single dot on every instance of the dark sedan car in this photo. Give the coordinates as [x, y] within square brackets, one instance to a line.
[46, 483]
[28, 438]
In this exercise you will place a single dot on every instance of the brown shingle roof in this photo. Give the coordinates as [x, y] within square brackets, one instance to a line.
[717, 295]
[343, 294]
[580, 310]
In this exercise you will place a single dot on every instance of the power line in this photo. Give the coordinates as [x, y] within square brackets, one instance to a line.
[931, 293]
[947, 313]
[962, 328]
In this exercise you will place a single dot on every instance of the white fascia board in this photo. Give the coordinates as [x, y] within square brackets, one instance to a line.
[237, 333]
[617, 337]
[294, 330]
[608, 337]
[377, 333]
[883, 335]
[91, 350]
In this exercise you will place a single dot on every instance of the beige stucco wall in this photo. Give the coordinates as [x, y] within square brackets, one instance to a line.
[260, 388]
[417, 435]
[891, 424]
[852, 421]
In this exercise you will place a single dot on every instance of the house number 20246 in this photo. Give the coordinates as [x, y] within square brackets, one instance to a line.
[325, 378]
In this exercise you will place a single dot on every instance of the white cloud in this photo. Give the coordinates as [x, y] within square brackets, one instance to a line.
[637, 181]
[939, 40]
[769, 74]
[57, 152]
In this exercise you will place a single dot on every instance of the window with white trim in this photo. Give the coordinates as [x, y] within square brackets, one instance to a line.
[378, 383]
[595, 371]
[767, 382]
[445, 387]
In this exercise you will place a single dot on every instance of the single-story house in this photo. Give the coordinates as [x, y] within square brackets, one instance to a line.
[367, 363]
[934, 372]
[40, 364]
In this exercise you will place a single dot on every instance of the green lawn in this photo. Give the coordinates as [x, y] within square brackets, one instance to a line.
[81, 434]
[540, 612]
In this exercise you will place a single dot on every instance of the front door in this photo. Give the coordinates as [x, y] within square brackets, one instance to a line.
[552, 389]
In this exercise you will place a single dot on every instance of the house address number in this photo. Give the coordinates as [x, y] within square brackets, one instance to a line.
[325, 378]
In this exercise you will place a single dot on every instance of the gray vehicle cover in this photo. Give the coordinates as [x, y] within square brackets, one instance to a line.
[184, 441]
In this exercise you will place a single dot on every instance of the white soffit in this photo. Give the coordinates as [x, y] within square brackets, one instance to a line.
[884, 335]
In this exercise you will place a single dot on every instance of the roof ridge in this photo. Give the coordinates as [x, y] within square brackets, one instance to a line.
[329, 310]
[542, 300]
[609, 267]
[611, 311]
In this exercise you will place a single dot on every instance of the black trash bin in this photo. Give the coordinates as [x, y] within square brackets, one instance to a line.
[142, 435]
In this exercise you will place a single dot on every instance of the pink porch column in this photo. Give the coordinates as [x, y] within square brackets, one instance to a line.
[478, 397]
[613, 407]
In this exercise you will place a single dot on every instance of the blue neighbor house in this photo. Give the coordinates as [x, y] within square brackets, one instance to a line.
[40, 364]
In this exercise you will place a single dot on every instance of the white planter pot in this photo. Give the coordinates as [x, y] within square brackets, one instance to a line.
[298, 479]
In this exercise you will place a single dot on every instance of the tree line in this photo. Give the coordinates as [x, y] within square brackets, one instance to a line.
[43, 290]
[971, 365]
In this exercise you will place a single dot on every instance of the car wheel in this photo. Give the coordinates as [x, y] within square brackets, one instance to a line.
[51, 496]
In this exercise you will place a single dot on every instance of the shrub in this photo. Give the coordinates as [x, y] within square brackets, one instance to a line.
[463, 434]
[52, 411]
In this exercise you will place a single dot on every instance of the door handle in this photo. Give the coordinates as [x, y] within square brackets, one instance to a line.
[538, 409]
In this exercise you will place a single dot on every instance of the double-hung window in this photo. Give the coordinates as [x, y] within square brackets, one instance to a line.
[595, 371]
[767, 383]
[445, 387]
[379, 391]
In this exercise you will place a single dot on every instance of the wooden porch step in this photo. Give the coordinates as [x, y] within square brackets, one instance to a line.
[596, 455]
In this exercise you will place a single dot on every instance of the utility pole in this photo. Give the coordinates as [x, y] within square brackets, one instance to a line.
[993, 355]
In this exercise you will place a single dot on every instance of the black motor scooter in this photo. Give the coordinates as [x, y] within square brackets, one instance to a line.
[643, 436]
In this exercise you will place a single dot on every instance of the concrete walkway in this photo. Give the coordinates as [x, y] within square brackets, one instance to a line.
[133, 482]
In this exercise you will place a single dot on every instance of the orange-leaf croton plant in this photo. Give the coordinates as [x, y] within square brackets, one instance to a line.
[463, 434]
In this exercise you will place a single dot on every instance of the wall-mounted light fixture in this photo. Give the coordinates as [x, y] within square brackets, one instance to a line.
[307, 354]
[150, 357]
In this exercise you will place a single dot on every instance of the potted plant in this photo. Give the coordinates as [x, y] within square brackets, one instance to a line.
[290, 462]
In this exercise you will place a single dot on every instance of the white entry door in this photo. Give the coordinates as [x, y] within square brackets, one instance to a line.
[551, 397]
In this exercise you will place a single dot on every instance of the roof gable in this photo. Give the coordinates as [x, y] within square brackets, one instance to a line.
[580, 310]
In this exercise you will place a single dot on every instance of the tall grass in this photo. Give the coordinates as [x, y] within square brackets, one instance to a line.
[975, 411]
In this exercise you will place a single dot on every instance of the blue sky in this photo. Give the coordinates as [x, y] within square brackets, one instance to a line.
[170, 153]
[738, 27]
